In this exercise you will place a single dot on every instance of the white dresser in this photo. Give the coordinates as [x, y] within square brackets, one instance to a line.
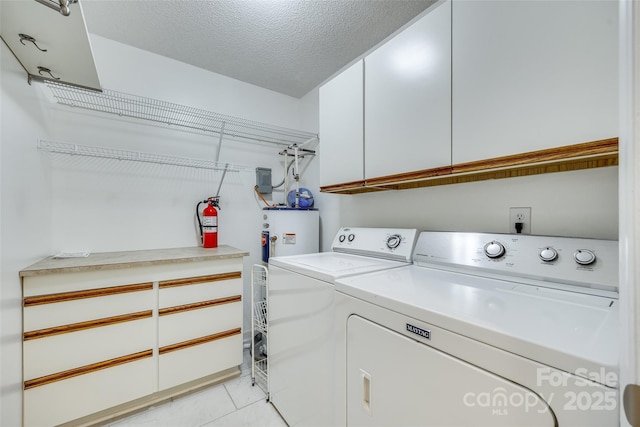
[114, 332]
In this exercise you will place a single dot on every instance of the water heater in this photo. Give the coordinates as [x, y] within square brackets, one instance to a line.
[288, 231]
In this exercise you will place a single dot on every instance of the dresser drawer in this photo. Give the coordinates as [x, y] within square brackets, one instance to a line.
[191, 324]
[65, 400]
[45, 311]
[60, 352]
[182, 364]
[202, 288]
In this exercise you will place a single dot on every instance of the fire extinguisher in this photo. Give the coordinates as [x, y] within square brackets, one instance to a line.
[209, 222]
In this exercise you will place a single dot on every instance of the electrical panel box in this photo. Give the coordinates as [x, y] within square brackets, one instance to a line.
[263, 180]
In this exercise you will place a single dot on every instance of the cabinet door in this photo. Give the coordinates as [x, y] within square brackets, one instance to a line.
[341, 128]
[408, 98]
[396, 381]
[532, 75]
[68, 50]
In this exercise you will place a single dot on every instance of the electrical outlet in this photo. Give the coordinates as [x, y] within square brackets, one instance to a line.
[520, 215]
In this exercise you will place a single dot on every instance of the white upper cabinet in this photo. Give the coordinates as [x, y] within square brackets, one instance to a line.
[341, 128]
[532, 75]
[63, 46]
[408, 98]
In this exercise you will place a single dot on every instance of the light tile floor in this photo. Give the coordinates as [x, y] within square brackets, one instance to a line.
[233, 403]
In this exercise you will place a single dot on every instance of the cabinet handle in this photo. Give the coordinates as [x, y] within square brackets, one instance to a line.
[366, 390]
[87, 369]
[197, 341]
[199, 305]
[91, 293]
[81, 326]
[28, 38]
[200, 279]
[48, 71]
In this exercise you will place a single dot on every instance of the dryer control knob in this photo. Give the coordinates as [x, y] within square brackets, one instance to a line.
[351, 237]
[394, 241]
[548, 254]
[494, 249]
[584, 257]
[341, 238]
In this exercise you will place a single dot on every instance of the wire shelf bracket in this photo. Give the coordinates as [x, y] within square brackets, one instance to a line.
[138, 107]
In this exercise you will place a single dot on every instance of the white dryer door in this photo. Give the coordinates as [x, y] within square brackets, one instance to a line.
[395, 381]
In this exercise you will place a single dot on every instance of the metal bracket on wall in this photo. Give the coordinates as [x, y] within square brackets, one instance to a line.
[61, 6]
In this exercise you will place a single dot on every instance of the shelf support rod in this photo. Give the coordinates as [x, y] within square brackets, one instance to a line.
[220, 142]
[222, 179]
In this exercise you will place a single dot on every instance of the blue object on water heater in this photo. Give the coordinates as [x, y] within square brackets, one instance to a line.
[305, 200]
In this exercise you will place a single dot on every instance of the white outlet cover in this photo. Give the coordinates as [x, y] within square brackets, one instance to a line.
[520, 214]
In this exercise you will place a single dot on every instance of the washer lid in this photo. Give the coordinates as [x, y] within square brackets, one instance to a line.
[570, 331]
[329, 266]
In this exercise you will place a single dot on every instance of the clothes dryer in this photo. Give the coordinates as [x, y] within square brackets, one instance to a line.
[482, 330]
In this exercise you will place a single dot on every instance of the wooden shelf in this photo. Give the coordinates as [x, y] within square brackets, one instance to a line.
[588, 155]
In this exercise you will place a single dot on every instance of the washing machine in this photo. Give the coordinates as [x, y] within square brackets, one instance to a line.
[482, 330]
[301, 316]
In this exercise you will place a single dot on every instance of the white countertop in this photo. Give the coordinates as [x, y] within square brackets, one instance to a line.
[127, 259]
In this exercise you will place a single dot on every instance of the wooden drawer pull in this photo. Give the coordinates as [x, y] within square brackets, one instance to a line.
[106, 321]
[198, 305]
[201, 340]
[48, 379]
[92, 293]
[200, 279]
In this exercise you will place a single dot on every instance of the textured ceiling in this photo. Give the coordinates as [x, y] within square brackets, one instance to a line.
[289, 46]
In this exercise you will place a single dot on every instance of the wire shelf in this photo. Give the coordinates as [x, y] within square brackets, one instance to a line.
[260, 316]
[261, 378]
[138, 107]
[136, 156]
[259, 326]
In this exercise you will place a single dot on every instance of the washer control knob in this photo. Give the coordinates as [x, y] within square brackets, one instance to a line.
[548, 254]
[394, 241]
[341, 238]
[494, 249]
[584, 257]
[351, 237]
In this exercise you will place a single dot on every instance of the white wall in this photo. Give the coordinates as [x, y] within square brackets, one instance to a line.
[25, 213]
[576, 204]
[55, 202]
[107, 205]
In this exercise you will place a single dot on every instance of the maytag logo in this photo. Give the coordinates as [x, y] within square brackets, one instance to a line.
[424, 333]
